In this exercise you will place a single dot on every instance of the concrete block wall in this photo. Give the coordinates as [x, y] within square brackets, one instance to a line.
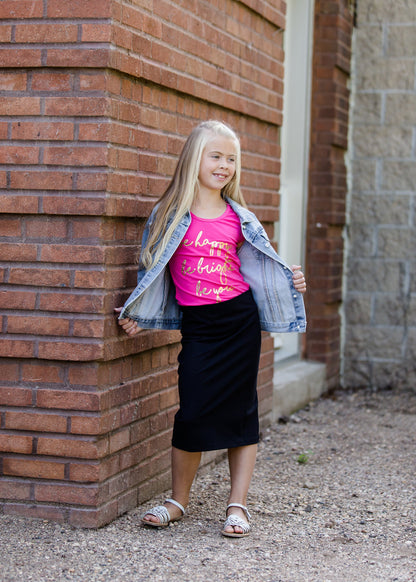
[380, 312]
[96, 99]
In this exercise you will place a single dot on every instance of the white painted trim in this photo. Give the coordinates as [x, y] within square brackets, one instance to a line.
[291, 230]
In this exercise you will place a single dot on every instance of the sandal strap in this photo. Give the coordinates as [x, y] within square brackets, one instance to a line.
[234, 520]
[181, 507]
[161, 513]
[243, 507]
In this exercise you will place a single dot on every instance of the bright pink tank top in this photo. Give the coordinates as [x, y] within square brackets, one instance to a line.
[205, 267]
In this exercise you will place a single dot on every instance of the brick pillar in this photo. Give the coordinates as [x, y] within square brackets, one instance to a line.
[96, 100]
[70, 228]
[327, 182]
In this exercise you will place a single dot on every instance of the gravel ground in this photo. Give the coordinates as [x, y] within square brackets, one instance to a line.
[333, 499]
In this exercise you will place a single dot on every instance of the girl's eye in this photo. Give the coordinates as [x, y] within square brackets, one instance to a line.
[231, 160]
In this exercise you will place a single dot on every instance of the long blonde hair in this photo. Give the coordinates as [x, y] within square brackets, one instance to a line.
[180, 194]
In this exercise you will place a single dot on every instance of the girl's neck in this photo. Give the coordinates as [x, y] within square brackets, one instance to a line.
[208, 204]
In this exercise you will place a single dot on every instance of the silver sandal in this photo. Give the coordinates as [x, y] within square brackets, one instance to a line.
[163, 515]
[235, 520]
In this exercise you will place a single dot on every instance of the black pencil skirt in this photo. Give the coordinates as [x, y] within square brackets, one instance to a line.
[218, 367]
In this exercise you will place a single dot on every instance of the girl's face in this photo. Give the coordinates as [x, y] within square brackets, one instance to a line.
[217, 163]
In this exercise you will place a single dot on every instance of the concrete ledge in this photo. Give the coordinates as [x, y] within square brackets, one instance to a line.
[295, 384]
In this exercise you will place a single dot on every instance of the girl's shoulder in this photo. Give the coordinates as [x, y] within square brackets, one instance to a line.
[154, 212]
[153, 215]
[244, 213]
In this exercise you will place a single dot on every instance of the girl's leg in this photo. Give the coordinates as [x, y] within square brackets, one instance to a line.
[184, 467]
[241, 461]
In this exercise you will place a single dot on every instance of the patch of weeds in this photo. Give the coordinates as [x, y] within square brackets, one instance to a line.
[303, 458]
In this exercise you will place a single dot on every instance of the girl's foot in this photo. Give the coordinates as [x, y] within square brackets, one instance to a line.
[236, 524]
[163, 515]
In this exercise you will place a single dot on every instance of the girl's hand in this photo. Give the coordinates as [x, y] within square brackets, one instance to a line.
[298, 279]
[129, 325]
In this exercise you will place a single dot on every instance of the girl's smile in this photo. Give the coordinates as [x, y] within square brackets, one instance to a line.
[221, 176]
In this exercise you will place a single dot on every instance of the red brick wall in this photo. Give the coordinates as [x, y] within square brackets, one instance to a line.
[90, 133]
[327, 182]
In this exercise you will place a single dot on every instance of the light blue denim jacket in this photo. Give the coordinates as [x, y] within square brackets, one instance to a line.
[153, 304]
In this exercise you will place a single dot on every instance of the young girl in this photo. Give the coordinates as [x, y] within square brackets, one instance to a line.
[208, 268]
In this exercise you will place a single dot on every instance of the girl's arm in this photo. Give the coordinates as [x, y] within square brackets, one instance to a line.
[298, 279]
[129, 325]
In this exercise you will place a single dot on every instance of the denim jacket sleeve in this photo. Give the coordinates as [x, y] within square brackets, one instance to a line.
[280, 306]
[153, 303]
[145, 236]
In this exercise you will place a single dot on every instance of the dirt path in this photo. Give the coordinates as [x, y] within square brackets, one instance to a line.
[333, 499]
